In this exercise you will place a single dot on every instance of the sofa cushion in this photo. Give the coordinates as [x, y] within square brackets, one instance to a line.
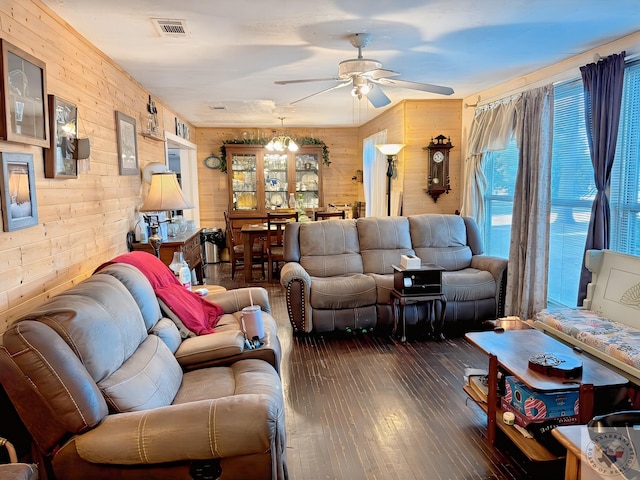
[100, 321]
[330, 248]
[384, 285]
[468, 284]
[382, 242]
[343, 292]
[140, 289]
[440, 239]
[168, 333]
[149, 378]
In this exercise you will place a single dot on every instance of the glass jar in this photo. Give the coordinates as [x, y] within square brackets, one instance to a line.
[292, 202]
[176, 263]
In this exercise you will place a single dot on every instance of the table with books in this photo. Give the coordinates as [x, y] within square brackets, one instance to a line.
[534, 396]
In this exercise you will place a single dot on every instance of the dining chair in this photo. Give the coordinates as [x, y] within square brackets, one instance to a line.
[276, 223]
[329, 215]
[235, 243]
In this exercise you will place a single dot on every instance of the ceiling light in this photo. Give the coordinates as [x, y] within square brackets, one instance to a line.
[281, 142]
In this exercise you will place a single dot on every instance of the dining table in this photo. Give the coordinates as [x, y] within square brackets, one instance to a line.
[252, 232]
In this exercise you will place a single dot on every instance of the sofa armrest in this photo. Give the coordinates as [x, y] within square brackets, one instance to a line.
[497, 266]
[297, 285]
[235, 300]
[205, 348]
[224, 427]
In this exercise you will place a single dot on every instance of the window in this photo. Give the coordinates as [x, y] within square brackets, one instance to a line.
[625, 175]
[573, 188]
[500, 170]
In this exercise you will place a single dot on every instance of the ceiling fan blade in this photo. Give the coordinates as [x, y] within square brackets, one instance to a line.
[425, 87]
[286, 82]
[379, 73]
[377, 97]
[340, 85]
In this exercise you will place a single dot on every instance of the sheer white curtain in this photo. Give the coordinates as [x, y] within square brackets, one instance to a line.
[492, 128]
[529, 248]
[374, 175]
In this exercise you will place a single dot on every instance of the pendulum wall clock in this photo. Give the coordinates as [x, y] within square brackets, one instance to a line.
[438, 166]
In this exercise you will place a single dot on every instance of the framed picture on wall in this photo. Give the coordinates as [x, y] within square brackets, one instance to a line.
[26, 111]
[19, 205]
[60, 160]
[127, 144]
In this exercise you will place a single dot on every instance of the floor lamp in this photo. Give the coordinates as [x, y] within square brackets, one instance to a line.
[391, 151]
[164, 194]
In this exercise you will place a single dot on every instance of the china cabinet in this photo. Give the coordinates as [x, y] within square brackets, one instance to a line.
[260, 180]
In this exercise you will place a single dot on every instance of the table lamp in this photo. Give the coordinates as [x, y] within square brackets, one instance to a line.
[164, 195]
[390, 150]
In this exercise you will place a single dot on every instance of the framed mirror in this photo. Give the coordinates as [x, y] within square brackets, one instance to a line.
[60, 159]
[25, 110]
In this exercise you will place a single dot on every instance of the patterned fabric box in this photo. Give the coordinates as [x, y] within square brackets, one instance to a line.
[537, 406]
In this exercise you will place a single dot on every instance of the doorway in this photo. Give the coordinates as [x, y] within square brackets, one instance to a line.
[181, 158]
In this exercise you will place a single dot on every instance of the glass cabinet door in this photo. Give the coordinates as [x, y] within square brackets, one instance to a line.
[244, 182]
[276, 180]
[307, 180]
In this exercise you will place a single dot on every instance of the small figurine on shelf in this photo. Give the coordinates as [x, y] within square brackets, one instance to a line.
[152, 119]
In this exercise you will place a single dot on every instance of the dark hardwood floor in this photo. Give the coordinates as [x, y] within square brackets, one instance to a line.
[362, 407]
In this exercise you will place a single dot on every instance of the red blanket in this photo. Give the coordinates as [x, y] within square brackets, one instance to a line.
[198, 315]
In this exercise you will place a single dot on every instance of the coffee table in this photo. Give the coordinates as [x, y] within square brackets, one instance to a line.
[509, 351]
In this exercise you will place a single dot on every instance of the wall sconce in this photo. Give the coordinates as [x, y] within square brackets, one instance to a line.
[357, 177]
[391, 150]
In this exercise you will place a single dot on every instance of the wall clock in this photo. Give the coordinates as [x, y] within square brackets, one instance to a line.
[213, 161]
[438, 166]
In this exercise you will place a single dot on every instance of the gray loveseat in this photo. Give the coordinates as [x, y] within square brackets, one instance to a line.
[108, 389]
[339, 273]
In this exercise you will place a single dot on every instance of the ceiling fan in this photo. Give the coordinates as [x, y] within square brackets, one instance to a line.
[366, 76]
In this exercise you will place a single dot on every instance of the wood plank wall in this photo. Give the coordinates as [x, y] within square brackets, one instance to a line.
[82, 222]
[413, 122]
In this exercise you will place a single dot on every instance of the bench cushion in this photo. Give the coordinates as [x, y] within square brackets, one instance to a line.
[612, 338]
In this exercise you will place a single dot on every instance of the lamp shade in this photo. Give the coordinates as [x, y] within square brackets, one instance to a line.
[165, 194]
[390, 148]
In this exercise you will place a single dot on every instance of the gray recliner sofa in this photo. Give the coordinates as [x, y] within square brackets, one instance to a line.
[339, 273]
[108, 388]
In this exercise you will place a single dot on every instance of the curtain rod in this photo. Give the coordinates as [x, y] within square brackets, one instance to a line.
[518, 90]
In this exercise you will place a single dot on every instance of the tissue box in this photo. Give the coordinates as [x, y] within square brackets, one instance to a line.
[410, 262]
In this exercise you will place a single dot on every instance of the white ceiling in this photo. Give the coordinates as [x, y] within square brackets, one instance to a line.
[235, 50]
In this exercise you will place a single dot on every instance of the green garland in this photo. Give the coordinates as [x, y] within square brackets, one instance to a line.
[303, 141]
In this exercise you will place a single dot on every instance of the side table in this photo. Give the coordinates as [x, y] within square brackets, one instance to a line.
[188, 243]
[418, 285]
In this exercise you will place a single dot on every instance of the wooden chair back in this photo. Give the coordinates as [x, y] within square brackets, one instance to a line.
[329, 215]
[276, 223]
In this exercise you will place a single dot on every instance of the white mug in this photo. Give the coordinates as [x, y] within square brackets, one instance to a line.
[252, 322]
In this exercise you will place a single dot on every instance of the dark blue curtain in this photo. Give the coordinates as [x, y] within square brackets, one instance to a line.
[602, 100]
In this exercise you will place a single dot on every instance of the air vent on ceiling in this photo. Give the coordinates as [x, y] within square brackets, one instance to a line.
[171, 27]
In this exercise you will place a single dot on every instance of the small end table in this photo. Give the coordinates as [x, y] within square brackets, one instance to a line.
[418, 285]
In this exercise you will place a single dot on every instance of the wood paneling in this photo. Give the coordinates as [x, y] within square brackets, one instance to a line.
[82, 222]
[338, 187]
[414, 122]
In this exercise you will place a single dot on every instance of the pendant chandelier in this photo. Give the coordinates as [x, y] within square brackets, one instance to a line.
[282, 142]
